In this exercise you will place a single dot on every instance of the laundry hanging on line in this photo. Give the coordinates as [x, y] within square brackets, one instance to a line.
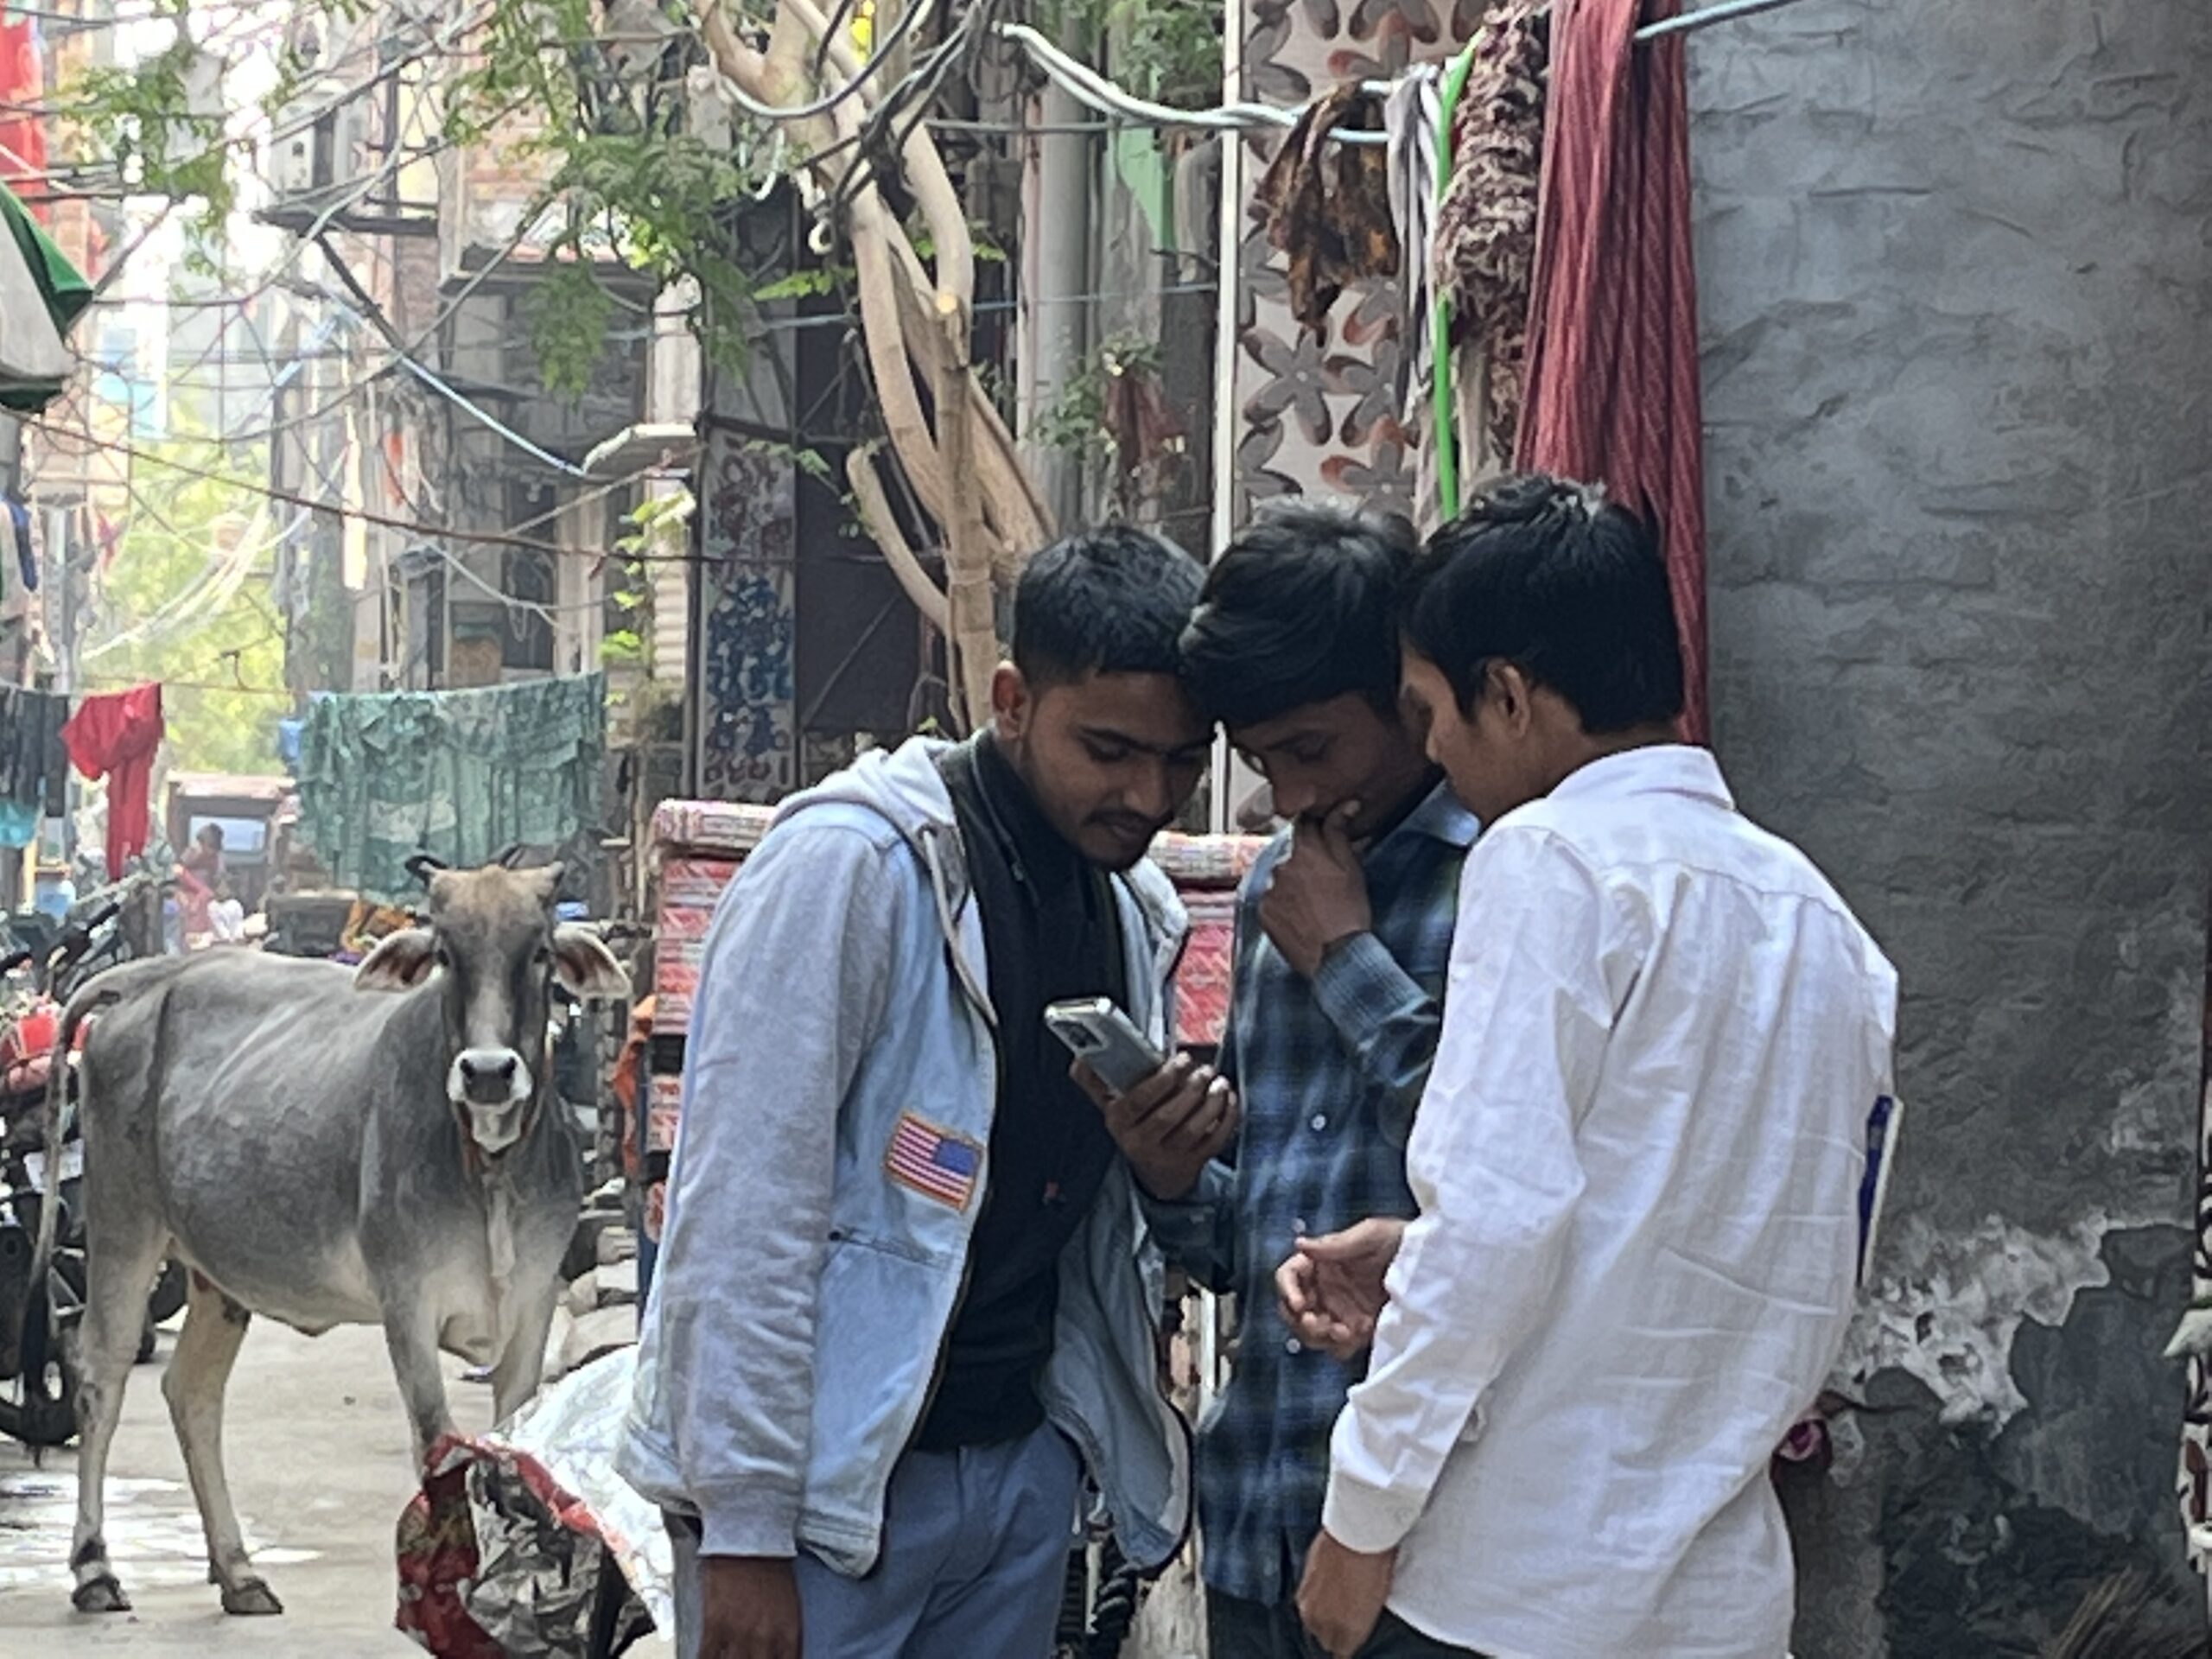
[1411, 116]
[1327, 205]
[1483, 252]
[19, 520]
[34, 762]
[460, 775]
[115, 736]
[1613, 387]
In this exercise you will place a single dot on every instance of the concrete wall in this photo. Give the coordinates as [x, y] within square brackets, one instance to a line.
[1954, 278]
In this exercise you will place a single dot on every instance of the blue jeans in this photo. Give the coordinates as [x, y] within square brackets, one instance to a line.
[975, 1556]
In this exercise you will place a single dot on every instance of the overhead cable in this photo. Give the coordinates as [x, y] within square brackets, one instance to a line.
[1088, 86]
[883, 54]
[338, 510]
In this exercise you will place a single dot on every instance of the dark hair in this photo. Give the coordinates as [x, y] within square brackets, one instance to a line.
[1112, 601]
[1300, 608]
[1543, 573]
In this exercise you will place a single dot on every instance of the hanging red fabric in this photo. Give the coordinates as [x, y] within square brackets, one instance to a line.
[114, 736]
[1612, 377]
[23, 128]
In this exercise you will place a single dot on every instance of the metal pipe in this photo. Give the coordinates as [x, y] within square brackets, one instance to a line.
[1725, 12]
[1055, 335]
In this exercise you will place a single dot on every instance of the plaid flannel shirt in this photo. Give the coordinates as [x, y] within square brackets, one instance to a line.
[1329, 1073]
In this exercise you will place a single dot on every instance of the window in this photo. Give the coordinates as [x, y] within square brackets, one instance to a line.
[528, 639]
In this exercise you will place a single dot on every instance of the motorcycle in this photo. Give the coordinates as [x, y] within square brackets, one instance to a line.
[38, 1377]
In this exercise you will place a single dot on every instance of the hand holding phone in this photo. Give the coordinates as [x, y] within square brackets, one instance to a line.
[1168, 1116]
[1103, 1038]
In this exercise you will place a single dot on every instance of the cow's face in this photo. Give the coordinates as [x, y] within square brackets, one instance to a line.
[491, 944]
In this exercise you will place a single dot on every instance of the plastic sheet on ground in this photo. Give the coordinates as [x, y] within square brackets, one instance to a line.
[500, 1554]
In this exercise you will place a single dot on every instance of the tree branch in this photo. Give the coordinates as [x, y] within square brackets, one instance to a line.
[875, 505]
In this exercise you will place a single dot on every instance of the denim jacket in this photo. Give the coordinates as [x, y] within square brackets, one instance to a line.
[839, 1086]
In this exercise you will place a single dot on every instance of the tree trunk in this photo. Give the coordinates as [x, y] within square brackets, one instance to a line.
[916, 324]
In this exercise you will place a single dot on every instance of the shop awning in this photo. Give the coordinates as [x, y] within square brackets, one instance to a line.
[42, 293]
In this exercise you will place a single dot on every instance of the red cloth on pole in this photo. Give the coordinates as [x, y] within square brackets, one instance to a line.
[22, 130]
[1612, 377]
[115, 737]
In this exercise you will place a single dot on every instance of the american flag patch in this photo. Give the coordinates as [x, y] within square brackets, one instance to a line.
[934, 1163]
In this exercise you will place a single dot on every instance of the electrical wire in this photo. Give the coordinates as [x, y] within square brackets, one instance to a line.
[881, 55]
[841, 20]
[551, 613]
[431, 532]
[445, 313]
[369, 49]
[429, 379]
[1087, 86]
[876, 134]
[222, 578]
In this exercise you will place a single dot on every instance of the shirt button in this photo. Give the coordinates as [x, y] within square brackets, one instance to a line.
[1298, 1226]
[1293, 1346]
[1321, 1122]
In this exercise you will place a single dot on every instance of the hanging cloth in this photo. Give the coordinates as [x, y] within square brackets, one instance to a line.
[115, 737]
[1612, 392]
[1485, 244]
[19, 516]
[1412, 116]
[19, 532]
[459, 774]
[1327, 205]
[33, 766]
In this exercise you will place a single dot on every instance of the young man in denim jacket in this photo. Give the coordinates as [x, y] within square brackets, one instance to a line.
[904, 1303]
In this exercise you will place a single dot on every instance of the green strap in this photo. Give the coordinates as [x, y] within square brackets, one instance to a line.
[1445, 433]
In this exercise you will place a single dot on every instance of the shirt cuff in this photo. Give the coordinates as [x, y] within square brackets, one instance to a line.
[1360, 986]
[1188, 1229]
[1366, 1520]
[749, 1521]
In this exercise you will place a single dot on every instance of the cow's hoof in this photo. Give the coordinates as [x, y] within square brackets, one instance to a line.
[251, 1598]
[100, 1595]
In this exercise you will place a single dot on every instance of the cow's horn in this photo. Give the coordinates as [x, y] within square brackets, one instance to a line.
[423, 865]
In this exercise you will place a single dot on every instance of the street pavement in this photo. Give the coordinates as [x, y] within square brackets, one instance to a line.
[318, 1457]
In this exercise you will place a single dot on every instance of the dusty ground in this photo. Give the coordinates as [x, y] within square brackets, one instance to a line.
[318, 1453]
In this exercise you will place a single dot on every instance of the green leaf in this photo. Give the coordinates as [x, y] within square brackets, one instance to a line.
[805, 284]
[568, 314]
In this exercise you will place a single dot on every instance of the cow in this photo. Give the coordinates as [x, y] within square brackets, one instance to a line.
[323, 1155]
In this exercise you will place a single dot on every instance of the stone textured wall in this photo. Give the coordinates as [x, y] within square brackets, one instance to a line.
[1955, 277]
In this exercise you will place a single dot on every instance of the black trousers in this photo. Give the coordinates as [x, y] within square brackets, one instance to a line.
[1250, 1629]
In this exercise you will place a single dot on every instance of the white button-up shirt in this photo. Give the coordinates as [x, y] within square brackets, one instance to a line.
[1637, 1164]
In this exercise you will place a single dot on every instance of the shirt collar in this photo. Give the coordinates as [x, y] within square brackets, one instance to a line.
[1439, 817]
[1656, 769]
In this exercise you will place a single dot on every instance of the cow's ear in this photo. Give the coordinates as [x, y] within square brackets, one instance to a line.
[586, 966]
[400, 964]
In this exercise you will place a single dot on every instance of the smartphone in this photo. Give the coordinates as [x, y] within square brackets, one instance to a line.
[1102, 1038]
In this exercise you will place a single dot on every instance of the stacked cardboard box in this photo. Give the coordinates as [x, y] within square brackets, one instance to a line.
[698, 847]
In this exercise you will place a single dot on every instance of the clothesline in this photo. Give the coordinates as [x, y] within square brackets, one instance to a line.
[1089, 87]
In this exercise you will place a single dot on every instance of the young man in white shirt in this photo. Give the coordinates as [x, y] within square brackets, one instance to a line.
[1637, 1160]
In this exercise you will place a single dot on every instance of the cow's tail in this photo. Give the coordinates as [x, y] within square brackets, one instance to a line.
[109, 988]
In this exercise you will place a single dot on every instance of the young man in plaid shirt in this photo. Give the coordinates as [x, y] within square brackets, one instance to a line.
[1344, 933]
